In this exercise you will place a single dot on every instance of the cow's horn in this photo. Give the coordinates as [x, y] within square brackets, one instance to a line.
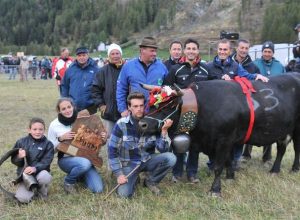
[178, 90]
[149, 87]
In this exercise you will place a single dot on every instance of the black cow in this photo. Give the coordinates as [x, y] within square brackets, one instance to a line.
[223, 119]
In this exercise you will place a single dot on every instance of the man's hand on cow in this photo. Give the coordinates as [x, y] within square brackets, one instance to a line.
[125, 113]
[226, 77]
[262, 78]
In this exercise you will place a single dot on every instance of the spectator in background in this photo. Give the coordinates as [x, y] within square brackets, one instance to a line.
[78, 80]
[175, 50]
[13, 67]
[34, 67]
[24, 65]
[46, 68]
[144, 69]
[105, 86]
[60, 66]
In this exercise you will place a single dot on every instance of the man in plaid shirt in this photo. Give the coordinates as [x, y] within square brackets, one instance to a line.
[129, 148]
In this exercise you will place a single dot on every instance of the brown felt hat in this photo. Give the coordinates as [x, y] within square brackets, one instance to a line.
[148, 42]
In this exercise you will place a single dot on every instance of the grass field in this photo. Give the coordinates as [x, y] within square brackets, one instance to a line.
[255, 194]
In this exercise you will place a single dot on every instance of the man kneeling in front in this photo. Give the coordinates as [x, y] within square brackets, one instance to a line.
[129, 149]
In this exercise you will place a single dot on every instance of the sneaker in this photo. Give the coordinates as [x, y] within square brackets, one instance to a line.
[193, 180]
[176, 179]
[153, 188]
[69, 188]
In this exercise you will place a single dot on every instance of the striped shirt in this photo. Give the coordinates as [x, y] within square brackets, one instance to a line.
[128, 145]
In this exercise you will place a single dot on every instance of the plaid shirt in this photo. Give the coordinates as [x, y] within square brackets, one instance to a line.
[127, 145]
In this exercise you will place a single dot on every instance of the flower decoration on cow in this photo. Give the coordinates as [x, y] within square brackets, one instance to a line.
[159, 95]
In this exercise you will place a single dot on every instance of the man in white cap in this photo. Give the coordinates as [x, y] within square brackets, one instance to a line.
[105, 86]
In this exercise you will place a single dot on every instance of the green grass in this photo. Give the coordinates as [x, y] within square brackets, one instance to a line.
[255, 194]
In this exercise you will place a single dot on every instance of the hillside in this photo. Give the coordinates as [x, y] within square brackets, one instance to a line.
[204, 20]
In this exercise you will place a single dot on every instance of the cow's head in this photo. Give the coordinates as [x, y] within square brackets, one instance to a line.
[164, 103]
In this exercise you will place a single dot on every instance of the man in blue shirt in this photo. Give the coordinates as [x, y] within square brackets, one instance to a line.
[78, 79]
[146, 69]
[128, 149]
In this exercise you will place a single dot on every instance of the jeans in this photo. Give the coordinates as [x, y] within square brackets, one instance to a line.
[178, 168]
[157, 167]
[192, 164]
[79, 168]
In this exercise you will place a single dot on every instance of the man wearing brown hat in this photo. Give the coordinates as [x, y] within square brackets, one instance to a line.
[78, 79]
[145, 69]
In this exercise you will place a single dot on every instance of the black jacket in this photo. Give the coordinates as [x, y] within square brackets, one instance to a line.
[39, 153]
[169, 63]
[247, 64]
[183, 75]
[104, 90]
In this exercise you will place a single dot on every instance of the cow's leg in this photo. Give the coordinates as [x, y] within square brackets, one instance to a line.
[223, 153]
[296, 140]
[281, 148]
[229, 166]
[295, 167]
[216, 186]
[267, 153]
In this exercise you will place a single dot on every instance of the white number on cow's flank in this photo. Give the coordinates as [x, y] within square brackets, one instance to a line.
[270, 96]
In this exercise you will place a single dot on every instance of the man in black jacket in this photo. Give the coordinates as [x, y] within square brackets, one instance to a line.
[105, 86]
[242, 56]
[188, 70]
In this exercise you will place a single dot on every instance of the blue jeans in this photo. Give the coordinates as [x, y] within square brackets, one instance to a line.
[178, 168]
[157, 167]
[79, 168]
[192, 164]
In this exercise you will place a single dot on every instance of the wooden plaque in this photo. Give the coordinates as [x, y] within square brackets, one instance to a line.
[87, 141]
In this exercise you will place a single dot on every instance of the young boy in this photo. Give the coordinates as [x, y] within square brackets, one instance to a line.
[39, 153]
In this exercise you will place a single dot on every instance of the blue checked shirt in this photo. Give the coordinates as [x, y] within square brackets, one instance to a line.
[126, 145]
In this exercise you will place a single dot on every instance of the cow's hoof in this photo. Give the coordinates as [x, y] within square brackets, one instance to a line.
[294, 170]
[272, 173]
[267, 163]
[229, 180]
[215, 194]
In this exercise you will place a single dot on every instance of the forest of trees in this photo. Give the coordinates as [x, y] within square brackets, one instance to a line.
[279, 20]
[42, 26]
